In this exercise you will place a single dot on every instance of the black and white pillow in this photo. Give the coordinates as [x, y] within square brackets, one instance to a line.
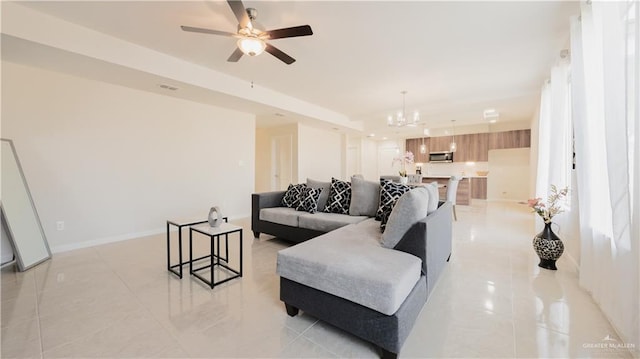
[309, 200]
[389, 194]
[291, 198]
[339, 197]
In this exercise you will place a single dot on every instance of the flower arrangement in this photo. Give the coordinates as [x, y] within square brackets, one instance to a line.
[404, 159]
[552, 207]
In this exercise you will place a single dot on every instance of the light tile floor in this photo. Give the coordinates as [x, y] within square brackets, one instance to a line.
[118, 300]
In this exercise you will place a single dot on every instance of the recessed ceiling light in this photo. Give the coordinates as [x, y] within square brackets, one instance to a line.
[493, 121]
[371, 135]
[384, 138]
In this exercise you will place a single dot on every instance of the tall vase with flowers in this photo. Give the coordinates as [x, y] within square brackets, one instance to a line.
[547, 244]
[406, 158]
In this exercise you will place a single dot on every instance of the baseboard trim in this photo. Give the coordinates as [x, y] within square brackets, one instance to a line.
[106, 240]
[113, 239]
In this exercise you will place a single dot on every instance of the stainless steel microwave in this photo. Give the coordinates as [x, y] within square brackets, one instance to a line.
[443, 157]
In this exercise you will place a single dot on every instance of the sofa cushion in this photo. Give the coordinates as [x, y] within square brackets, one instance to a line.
[291, 198]
[326, 222]
[389, 194]
[410, 208]
[365, 197]
[351, 264]
[339, 197]
[309, 200]
[434, 196]
[281, 215]
[324, 195]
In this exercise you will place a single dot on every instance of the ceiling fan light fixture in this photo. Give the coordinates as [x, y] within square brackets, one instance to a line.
[251, 46]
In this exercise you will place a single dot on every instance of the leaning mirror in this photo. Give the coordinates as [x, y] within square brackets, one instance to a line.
[19, 215]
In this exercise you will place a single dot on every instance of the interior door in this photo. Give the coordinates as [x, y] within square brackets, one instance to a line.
[385, 161]
[353, 160]
[282, 162]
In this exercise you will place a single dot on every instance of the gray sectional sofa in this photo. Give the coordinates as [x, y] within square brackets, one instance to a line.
[345, 272]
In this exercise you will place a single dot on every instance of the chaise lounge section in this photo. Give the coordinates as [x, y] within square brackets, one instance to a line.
[346, 272]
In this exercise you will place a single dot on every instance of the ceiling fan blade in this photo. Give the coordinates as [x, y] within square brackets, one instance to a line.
[304, 30]
[206, 31]
[279, 54]
[235, 56]
[240, 12]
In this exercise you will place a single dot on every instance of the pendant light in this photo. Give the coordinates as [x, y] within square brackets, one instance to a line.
[453, 147]
[423, 147]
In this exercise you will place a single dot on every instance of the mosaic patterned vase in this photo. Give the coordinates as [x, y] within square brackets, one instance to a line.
[548, 246]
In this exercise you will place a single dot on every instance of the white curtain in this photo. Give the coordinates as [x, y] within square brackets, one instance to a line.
[554, 133]
[604, 76]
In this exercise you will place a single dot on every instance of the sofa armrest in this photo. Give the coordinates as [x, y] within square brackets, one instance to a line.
[430, 239]
[263, 200]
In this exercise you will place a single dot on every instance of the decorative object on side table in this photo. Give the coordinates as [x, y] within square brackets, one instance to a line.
[404, 159]
[215, 217]
[547, 244]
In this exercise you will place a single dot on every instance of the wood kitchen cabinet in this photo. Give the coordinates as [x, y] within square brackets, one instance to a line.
[470, 147]
[509, 139]
[479, 187]
[413, 145]
[439, 144]
[478, 150]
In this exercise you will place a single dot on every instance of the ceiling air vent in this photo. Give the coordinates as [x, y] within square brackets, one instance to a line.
[168, 87]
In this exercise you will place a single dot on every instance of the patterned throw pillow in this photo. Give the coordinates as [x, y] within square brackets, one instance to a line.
[389, 194]
[339, 197]
[291, 198]
[309, 200]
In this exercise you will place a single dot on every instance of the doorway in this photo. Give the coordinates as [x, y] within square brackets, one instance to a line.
[281, 162]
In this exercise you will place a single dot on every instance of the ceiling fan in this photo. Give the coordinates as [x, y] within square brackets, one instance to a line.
[252, 40]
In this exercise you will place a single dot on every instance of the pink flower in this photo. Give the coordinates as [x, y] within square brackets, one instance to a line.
[552, 207]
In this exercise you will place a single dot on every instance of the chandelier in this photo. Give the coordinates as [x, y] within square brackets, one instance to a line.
[401, 119]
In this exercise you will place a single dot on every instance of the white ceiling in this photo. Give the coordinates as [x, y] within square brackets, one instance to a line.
[454, 58]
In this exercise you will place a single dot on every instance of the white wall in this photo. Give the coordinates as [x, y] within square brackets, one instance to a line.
[114, 163]
[320, 154]
[387, 151]
[508, 174]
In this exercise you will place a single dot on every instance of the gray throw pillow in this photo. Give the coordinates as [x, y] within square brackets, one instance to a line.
[324, 195]
[434, 196]
[365, 197]
[410, 208]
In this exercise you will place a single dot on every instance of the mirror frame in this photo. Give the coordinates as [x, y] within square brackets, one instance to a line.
[20, 247]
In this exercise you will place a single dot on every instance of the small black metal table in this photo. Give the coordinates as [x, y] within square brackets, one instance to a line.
[215, 259]
[179, 223]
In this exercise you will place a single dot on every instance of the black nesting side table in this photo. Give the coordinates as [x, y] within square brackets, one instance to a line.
[179, 223]
[215, 259]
